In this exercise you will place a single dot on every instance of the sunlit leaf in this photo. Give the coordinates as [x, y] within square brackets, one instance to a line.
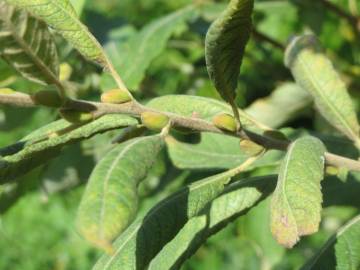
[296, 202]
[27, 45]
[62, 17]
[315, 73]
[200, 107]
[110, 202]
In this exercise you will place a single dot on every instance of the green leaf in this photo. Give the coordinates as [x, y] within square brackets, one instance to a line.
[296, 202]
[46, 144]
[78, 5]
[314, 72]
[200, 107]
[110, 202]
[133, 57]
[341, 250]
[27, 45]
[214, 151]
[283, 105]
[225, 45]
[236, 200]
[62, 17]
[135, 248]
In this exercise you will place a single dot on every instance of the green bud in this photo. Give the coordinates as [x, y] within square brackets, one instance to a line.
[116, 96]
[225, 122]
[7, 91]
[76, 117]
[48, 98]
[250, 148]
[154, 121]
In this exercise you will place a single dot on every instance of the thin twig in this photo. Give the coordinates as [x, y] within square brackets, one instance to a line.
[262, 37]
[135, 109]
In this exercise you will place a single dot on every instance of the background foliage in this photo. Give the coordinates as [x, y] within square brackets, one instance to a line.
[37, 231]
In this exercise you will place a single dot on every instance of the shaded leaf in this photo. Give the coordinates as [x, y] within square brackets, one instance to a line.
[236, 200]
[200, 107]
[27, 45]
[45, 144]
[135, 248]
[62, 17]
[314, 72]
[133, 57]
[296, 202]
[283, 105]
[341, 250]
[110, 201]
[214, 151]
[225, 45]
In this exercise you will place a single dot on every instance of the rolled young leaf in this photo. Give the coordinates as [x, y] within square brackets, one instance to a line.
[110, 201]
[296, 202]
[27, 45]
[314, 72]
[225, 44]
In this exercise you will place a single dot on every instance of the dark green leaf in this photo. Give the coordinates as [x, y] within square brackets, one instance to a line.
[135, 248]
[342, 250]
[45, 144]
[225, 45]
[236, 200]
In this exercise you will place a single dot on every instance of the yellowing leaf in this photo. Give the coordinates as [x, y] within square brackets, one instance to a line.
[296, 202]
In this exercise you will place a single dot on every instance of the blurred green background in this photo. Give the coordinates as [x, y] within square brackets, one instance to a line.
[37, 230]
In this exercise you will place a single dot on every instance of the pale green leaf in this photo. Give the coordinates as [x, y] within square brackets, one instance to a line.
[110, 201]
[225, 45]
[236, 200]
[135, 248]
[314, 72]
[133, 57]
[296, 202]
[342, 250]
[62, 17]
[214, 151]
[27, 45]
[40, 147]
[200, 107]
[283, 105]
[78, 5]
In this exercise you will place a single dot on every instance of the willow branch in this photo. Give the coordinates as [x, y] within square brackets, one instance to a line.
[135, 109]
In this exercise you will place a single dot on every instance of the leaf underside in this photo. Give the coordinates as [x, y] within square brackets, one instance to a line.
[296, 202]
[27, 45]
